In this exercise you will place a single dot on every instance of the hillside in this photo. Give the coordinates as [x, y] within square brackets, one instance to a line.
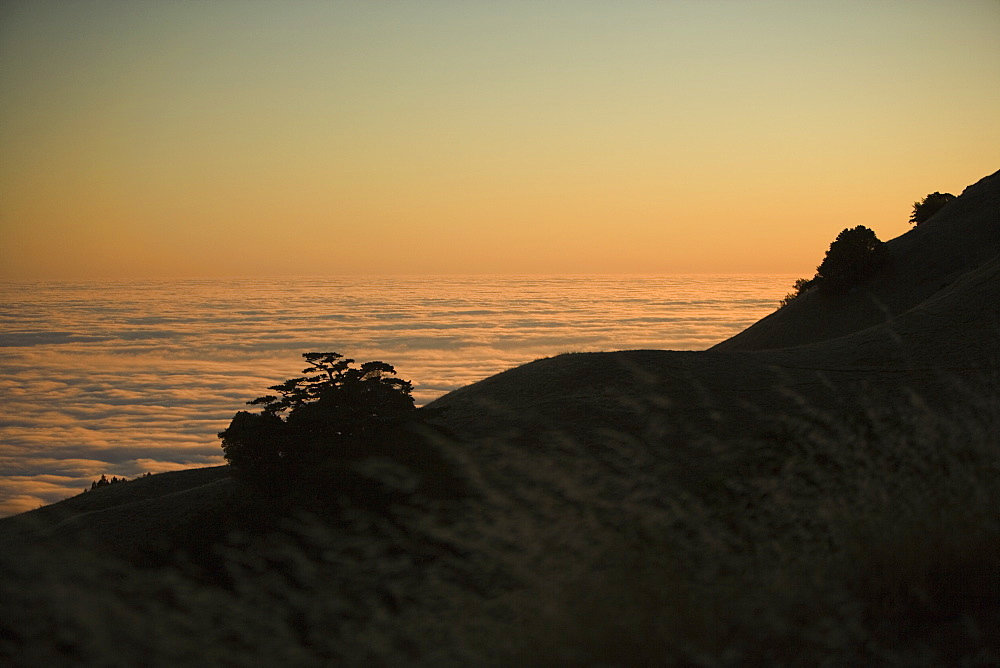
[931, 313]
[926, 260]
[821, 488]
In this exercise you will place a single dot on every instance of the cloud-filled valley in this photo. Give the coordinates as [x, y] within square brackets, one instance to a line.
[124, 378]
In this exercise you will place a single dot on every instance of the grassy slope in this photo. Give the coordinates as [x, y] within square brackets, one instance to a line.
[833, 501]
[124, 514]
[960, 238]
[950, 337]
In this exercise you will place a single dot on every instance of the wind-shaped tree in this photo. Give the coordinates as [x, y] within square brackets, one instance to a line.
[338, 400]
[323, 430]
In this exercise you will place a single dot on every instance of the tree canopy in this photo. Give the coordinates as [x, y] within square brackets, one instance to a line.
[853, 257]
[340, 430]
[924, 209]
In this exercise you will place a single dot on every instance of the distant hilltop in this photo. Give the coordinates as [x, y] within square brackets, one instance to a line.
[962, 238]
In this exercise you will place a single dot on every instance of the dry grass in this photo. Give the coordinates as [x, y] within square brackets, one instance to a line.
[864, 537]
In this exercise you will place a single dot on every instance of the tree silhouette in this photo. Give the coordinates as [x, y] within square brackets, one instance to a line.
[928, 206]
[854, 256]
[324, 430]
[104, 482]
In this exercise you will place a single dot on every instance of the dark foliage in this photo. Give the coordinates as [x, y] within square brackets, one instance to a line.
[800, 286]
[344, 434]
[854, 256]
[104, 482]
[928, 206]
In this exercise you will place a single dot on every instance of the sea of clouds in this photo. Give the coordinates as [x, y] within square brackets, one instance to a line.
[121, 378]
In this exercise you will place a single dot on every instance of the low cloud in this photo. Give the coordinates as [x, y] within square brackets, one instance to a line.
[121, 379]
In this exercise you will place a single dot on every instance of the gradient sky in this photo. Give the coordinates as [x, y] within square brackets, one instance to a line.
[209, 138]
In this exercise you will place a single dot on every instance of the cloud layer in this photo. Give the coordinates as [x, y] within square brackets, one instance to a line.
[124, 378]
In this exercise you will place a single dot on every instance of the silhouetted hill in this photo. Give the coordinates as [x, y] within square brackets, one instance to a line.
[931, 315]
[133, 518]
[820, 488]
[958, 239]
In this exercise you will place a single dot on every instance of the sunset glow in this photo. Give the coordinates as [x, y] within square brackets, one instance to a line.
[174, 139]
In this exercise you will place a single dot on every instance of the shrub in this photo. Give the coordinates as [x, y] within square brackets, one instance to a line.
[854, 256]
[104, 482]
[928, 206]
[800, 286]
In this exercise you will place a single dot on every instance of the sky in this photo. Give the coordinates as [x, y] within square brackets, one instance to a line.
[182, 138]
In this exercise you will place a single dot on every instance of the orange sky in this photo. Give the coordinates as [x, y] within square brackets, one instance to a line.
[256, 138]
